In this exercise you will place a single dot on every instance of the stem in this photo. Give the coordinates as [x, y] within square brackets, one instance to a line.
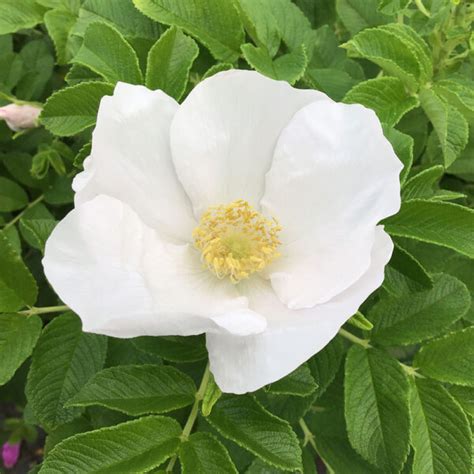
[357, 340]
[19, 216]
[44, 310]
[192, 415]
[308, 435]
[422, 8]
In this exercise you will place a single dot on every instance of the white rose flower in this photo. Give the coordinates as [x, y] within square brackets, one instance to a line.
[20, 117]
[249, 213]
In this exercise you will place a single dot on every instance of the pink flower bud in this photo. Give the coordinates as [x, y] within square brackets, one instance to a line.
[20, 117]
[10, 454]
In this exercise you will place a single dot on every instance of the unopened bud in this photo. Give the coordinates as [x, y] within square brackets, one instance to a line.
[10, 454]
[20, 117]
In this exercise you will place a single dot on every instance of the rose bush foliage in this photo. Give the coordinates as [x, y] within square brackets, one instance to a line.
[392, 392]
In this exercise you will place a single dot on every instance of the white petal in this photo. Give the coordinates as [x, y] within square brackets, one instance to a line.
[224, 133]
[245, 364]
[124, 281]
[333, 178]
[131, 160]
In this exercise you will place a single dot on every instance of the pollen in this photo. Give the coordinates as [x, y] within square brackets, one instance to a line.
[236, 241]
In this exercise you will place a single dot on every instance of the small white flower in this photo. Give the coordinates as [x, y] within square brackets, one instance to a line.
[248, 213]
[20, 117]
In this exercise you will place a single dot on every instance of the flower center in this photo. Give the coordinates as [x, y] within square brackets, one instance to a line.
[235, 240]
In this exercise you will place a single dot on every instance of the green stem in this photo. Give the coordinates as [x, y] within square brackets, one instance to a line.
[192, 415]
[20, 215]
[422, 8]
[308, 435]
[357, 340]
[44, 310]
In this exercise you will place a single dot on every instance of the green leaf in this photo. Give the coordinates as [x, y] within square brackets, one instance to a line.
[16, 15]
[403, 147]
[289, 67]
[325, 364]
[17, 285]
[137, 390]
[376, 408]
[406, 264]
[458, 91]
[202, 453]
[361, 322]
[450, 125]
[411, 318]
[214, 23]
[169, 62]
[106, 52]
[37, 231]
[173, 348]
[73, 109]
[64, 359]
[398, 50]
[59, 24]
[421, 186]
[244, 421]
[449, 359]
[300, 383]
[440, 433]
[12, 196]
[260, 24]
[18, 336]
[359, 14]
[120, 14]
[328, 425]
[135, 446]
[211, 396]
[385, 95]
[441, 223]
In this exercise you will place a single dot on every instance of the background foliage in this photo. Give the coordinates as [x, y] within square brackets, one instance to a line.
[392, 393]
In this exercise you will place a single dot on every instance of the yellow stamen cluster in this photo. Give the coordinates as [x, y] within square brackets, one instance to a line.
[235, 240]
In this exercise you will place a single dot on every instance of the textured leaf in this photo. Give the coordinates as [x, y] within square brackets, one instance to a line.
[397, 49]
[18, 336]
[421, 186]
[449, 359]
[37, 231]
[73, 109]
[12, 196]
[440, 223]
[137, 389]
[411, 318]
[214, 23]
[15, 15]
[325, 364]
[17, 285]
[403, 147]
[359, 14]
[260, 24]
[450, 125]
[169, 62]
[120, 14]
[406, 264]
[64, 359]
[385, 95]
[440, 433]
[300, 383]
[136, 446]
[59, 23]
[288, 67]
[376, 408]
[173, 348]
[244, 421]
[202, 453]
[106, 52]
